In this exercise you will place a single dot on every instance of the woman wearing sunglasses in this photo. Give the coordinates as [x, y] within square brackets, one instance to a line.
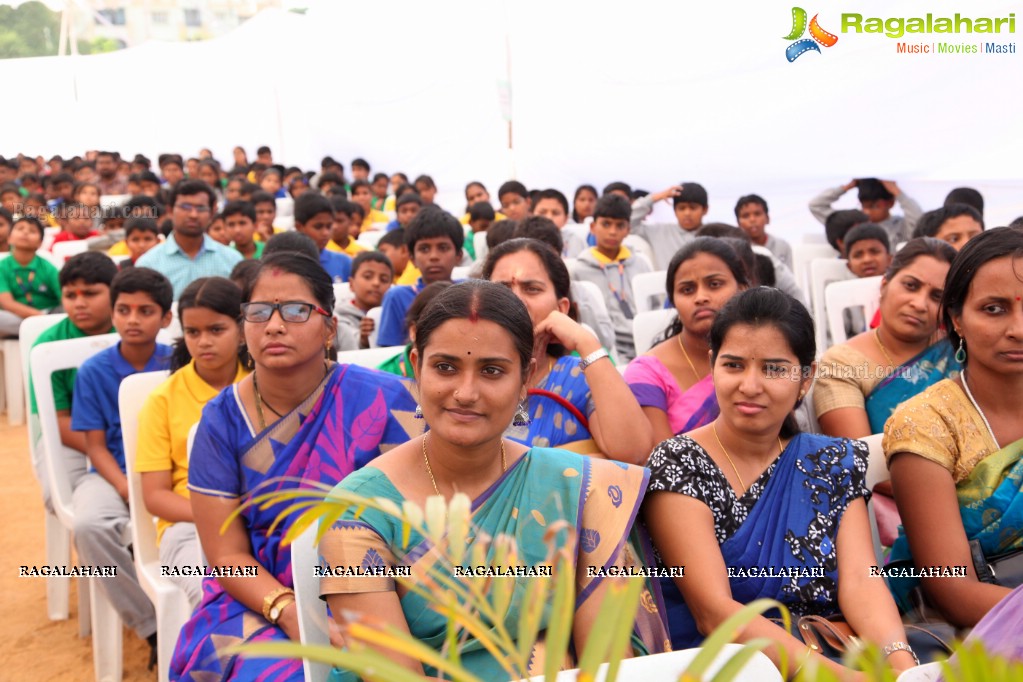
[298, 418]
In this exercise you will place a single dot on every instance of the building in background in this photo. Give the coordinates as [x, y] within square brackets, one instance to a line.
[133, 22]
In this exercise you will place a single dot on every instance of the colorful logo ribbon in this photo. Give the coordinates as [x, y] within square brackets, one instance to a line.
[818, 35]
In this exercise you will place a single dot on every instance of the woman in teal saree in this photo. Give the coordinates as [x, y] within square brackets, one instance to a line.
[862, 381]
[473, 357]
[955, 452]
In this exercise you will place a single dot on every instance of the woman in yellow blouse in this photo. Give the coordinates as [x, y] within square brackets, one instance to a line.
[955, 451]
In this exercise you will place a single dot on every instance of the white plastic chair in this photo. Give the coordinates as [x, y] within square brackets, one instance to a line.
[64, 250]
[815, 238]
[671, 665]
[113, 200]
[285, 207]
[479, 244]
[371, 238]
[824, 271]
[58, 540]
[45, 360]
[312, 611]
[284, 222]
[461, 272]
[169, 600]
[369, 357]
[641, 248]
[648, 326]
[877, 471]
[864, 291]
[803, 255]
[648, 290]
[342, 292]
[374, 314]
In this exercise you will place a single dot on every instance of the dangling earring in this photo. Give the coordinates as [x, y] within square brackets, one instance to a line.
[522, 415]
[419, 411]
[960, 355]
[326, 350]
[250, 362]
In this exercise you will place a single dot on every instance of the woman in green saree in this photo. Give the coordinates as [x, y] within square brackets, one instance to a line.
[473, 360]
[955, 452]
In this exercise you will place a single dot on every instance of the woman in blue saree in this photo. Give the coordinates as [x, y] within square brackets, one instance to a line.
[769, 512]
[955, 452]
[297, 419]
[672, 380]
[862, 381]
[473, 357]
[574, 403]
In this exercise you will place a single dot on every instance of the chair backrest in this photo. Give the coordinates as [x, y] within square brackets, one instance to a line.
[479, 244]
[45, 360]
[285, 222]
[461, 272]
[815, 238]
[285, 206]
[113, 200]
[64, 250]
[53, 260]
[131, 395]
[824, 271]
[648, 326]
[648, 290]
[877, 469]
[592, 292]
[803, 255]
[370, 357]
[28, 332]
[863, 291]
[312, 611]
[342, 292]
[374, 314]
[640, 247]
[371, 238]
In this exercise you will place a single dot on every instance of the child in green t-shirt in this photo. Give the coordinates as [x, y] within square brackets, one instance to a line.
[28, 283]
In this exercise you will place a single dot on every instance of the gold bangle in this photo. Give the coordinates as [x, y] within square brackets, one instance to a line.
[273, 596]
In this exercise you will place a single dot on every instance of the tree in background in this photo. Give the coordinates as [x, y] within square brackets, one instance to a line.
[32, 30]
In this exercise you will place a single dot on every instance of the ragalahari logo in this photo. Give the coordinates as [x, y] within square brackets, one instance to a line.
[818, 35]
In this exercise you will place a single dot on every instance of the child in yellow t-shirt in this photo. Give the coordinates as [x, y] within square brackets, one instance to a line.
[206, 360]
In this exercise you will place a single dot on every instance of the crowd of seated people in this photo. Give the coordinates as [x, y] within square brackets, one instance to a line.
[503, 386]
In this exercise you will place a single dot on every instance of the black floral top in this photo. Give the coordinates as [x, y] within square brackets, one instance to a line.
[825, 479]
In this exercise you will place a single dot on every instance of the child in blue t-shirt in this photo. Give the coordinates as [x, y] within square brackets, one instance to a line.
[141, 300]
[435, 240]
[29, 284]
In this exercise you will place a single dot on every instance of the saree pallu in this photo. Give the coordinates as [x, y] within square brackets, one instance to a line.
[991, 507]
[907, 380]
[559, 419]
[786, 548]
[655, 386]
[344, 424]
[598, 498]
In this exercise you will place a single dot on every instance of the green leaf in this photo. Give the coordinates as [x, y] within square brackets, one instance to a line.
[621, 628]
[559, 625]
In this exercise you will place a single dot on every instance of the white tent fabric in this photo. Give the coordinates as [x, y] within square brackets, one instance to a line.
[649, 92]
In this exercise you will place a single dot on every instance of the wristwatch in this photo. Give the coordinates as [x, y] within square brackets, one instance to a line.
[593, 357]
[278, 608]
[270, 598]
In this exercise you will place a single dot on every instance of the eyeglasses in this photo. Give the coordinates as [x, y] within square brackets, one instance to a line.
[290, 311]
[188, 208]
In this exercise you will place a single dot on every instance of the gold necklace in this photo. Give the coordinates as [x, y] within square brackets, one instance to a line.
[260, 402]
[691, 365]
[714, 428]
[429, 469]
[877, 337]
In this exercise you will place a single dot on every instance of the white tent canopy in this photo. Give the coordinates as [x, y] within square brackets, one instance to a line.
[649, 92]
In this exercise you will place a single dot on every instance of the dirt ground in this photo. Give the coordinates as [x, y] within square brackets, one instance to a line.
[34, 647]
